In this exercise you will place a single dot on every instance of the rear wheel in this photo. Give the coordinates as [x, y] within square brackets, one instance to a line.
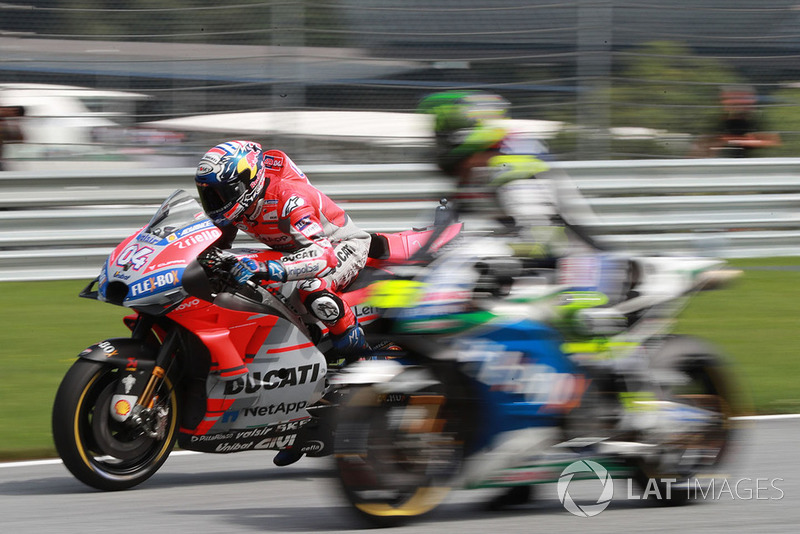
[396, 452]
[99, 450]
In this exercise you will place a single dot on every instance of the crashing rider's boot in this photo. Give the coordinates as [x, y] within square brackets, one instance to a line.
[350, 345]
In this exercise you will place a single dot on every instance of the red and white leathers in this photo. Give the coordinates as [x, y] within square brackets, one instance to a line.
[320, 243]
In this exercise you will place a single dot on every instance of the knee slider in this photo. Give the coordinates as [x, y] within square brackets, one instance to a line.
[325, 306]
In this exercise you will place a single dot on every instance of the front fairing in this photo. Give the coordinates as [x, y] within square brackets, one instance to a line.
[146, 269]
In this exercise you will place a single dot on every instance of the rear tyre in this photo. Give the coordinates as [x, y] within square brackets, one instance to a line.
[98, 450]
[395, 453]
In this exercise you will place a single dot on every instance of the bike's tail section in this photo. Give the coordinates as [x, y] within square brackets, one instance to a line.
[397, 248]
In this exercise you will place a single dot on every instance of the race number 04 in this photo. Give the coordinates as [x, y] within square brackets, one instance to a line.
[135, 255]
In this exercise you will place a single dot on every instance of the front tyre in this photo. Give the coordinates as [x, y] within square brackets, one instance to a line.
[98, 450]
[696, 377]
[395, 453]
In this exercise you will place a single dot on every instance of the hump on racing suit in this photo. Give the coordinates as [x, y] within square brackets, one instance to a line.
[315, 235]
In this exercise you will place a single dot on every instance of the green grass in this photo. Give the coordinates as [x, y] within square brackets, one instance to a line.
[757, 323]
[45, 325]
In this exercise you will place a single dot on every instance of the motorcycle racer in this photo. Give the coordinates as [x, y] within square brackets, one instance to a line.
[489, 162]
[503, 184]
[264, 194]
[503, 187]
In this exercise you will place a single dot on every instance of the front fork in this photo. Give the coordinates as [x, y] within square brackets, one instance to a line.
[163, 359]
[135, 405]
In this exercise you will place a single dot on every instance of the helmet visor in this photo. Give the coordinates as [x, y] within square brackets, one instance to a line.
[219, 197]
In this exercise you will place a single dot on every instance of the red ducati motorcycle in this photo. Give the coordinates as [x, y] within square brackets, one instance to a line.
[213, 366]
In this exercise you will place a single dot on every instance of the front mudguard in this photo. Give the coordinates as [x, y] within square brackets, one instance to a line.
[122, 352]
[135, 361]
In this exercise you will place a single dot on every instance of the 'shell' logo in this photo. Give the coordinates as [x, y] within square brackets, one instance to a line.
[122, 407]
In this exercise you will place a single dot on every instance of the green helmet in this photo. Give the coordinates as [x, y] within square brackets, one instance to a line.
[461, 124]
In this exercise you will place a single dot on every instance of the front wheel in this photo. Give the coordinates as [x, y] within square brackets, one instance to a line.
[699, 437]
[97, 449]
[396, 452]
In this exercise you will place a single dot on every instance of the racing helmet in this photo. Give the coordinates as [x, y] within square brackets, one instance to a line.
[463, 124]
[230, 178]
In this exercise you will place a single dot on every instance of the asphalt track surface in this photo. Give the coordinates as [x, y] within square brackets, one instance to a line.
[244, 492]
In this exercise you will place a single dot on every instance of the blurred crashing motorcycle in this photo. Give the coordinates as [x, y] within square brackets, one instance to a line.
[511, 371]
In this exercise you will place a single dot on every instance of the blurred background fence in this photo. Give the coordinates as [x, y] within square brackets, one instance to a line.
[63, 225]
[641, 101]
[337, 81]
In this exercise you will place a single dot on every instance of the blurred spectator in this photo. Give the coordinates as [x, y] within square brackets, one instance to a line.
[739, 129]
[10, 130]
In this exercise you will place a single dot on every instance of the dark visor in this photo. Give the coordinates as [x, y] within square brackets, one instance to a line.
[219, 196]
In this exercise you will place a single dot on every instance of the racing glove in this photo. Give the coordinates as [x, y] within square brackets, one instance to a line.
[247, 268]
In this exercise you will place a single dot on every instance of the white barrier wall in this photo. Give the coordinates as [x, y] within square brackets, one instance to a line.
[62, 226]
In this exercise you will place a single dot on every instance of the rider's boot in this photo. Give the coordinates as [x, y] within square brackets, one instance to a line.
[287, 457]
[350, 344]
